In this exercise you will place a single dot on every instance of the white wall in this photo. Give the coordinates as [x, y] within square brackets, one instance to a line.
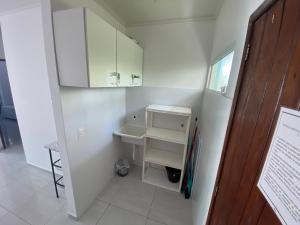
[92, 156]
[93, 6]
[99, 112]
[230, 30]
[25, 56]
[175, 55]
[7, 7]
[176, 60]
[140, 97]
[15, 5]
[214, 113]
[46, 12]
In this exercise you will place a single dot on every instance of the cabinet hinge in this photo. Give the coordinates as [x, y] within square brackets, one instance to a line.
[247, 52]
[216, 191]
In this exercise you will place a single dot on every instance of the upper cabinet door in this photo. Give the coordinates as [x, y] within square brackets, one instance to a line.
[129, 61]
[101, 49]
[69, 33]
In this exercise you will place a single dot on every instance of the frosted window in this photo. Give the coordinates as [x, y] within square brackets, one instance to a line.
[220, 72]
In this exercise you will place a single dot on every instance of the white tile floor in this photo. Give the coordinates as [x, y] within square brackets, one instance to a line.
[27, 197]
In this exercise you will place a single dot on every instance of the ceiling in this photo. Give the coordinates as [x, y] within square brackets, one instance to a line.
[137, 12]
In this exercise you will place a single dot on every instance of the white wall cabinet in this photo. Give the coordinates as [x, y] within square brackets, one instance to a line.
[101, 50]
[129, 61]
[92, 53]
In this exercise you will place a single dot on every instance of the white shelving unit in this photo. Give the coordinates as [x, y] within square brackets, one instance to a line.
[166, 135]
[163, 158]
[167, 130]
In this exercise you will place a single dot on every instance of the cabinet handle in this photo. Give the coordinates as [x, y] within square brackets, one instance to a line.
[134, 76]
[118, 77]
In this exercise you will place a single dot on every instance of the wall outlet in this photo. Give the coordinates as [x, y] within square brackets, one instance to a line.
[81, 132]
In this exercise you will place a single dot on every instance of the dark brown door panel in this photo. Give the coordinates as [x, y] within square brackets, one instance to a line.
[269, 79]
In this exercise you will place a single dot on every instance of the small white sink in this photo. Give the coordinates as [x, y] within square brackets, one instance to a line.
[131, 134]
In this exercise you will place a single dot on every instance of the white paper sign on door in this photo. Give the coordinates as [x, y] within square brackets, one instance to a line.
[280, 179]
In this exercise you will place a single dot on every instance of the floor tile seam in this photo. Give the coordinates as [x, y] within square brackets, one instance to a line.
[23, 205]
[128, 210]
[148, 215]
[155, 190]
[14, 214]
[105, 210]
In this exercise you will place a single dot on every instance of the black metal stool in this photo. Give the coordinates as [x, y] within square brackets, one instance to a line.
[54, 164]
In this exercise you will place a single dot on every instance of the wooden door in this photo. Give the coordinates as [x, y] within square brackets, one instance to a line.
[269, 78]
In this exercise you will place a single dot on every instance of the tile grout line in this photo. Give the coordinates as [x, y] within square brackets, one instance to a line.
[108, 205]
[155, 189]
[35, 191]
[128, 210]
[148, 218]
[9, 211]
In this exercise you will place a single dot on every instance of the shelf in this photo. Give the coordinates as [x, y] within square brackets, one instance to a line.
[158, 177]
[166, 135]
[170, 110]
[164, 158]
[165, 143]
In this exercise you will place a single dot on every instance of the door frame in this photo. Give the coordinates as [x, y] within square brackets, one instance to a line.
[262, 9]
[1, 133]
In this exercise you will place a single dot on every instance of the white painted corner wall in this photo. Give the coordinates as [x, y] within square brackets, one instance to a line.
[138, 98]
[93, 6]
[27, 33]
[231, 29]
[214, 116]
[46, 12]
[176, 55]
[176, 62]
[100, 111]
[90, 118]
[22, 33]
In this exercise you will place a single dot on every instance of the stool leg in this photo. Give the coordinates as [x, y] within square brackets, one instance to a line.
[53, 173]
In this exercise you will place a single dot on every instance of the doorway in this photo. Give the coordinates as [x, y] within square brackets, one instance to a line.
[269, 79]
[12, 156]
[9, 129]
[27, 194]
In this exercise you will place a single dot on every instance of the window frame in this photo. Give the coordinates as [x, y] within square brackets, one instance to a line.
[213, 62]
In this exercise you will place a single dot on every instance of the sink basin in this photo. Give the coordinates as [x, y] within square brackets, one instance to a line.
[131, 134]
